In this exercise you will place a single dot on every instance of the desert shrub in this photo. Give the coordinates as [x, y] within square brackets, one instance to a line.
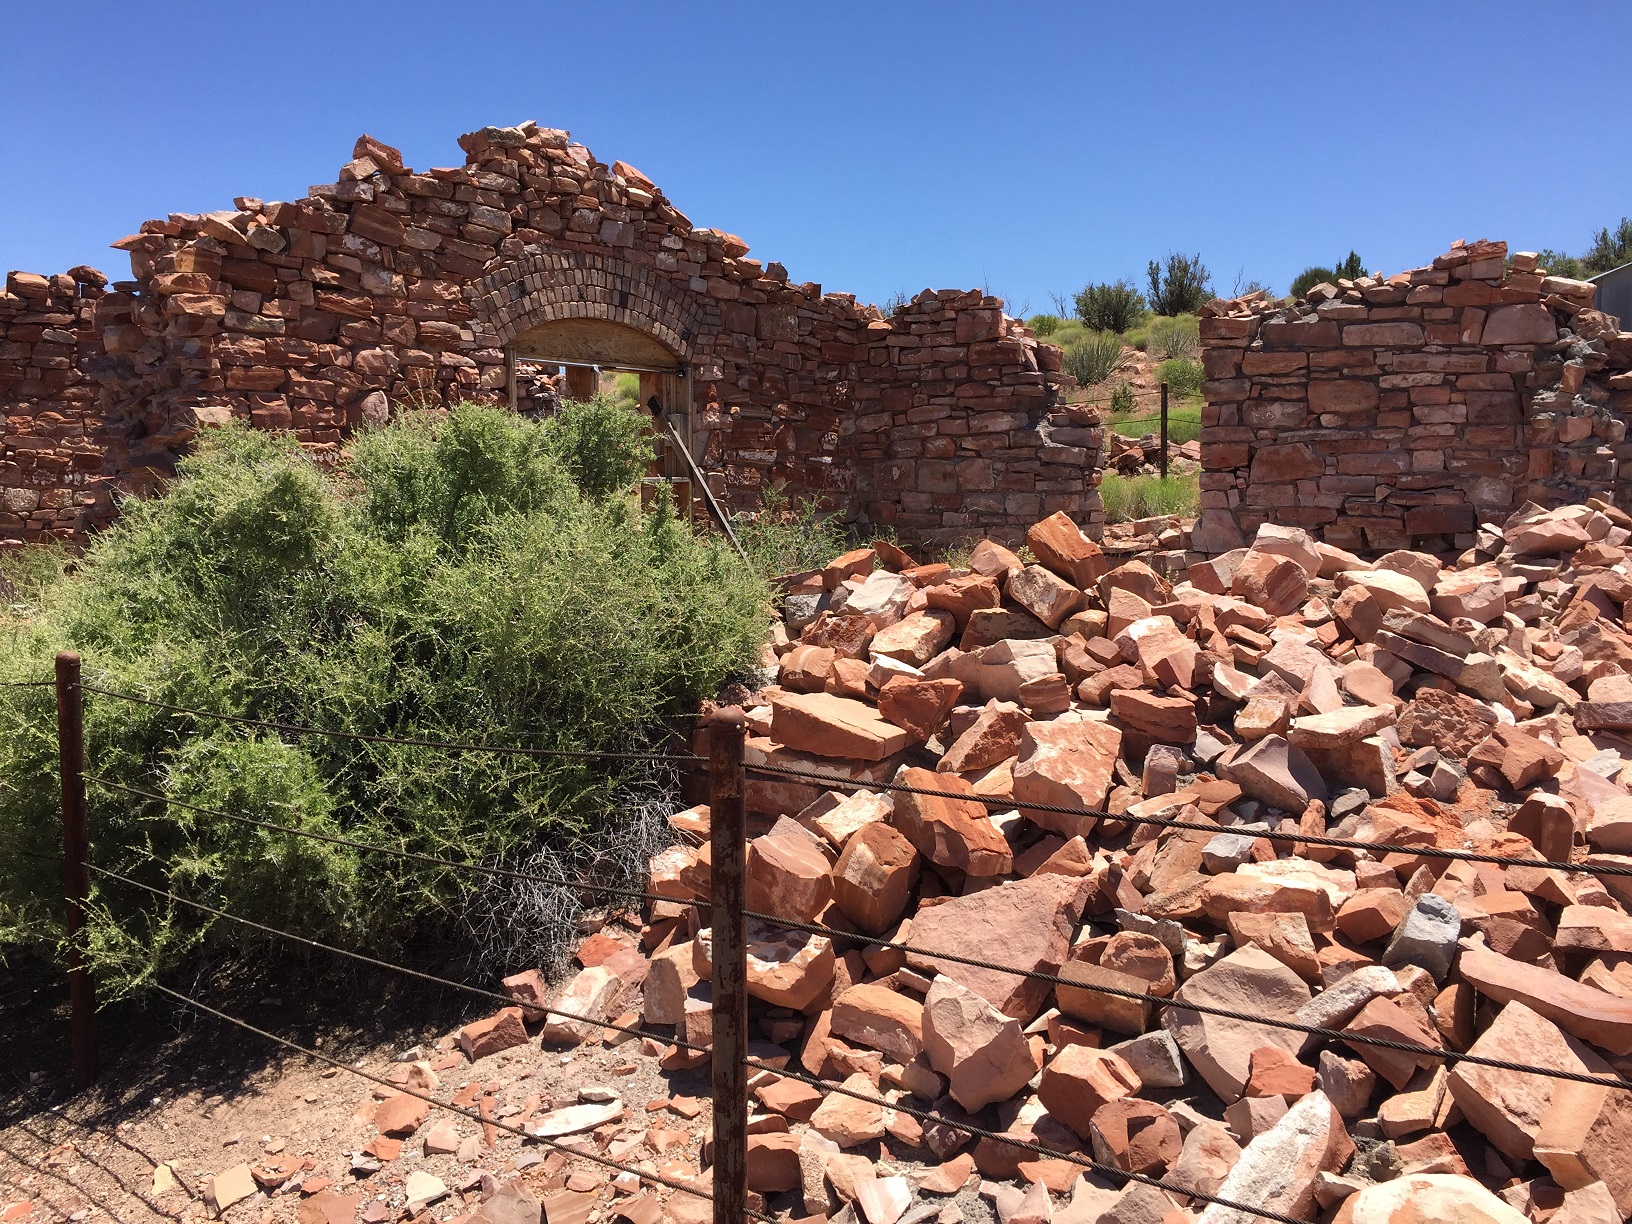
[1135, 497]
[1560, 264]
[1044, 324]
[604, 445]
[449, 581]
[1113, 307]
[1122, 401]
[1610, 248]
[1178, 336]
[1182, 376]
[1181, 285]
[1093, 358]
[626, 389]
[784, 537]
[1309, 278]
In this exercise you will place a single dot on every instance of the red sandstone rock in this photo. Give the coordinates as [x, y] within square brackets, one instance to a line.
[981, 1051]
[1060, 545]
[874, 877]
[824, 725]
[498, 1032]
[950, 832]
[788, 875]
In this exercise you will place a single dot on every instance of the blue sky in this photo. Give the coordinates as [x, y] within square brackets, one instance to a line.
[871, 147]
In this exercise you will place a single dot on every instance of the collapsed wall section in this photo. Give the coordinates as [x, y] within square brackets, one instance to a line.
[1398, 412]
[390, 287]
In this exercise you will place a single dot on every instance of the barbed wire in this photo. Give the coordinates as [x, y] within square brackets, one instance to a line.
[1312, 1030]
[1163, 822]
[449, 983]
[510, 873]
[28, 684]
[668, 758]
[472, 1115]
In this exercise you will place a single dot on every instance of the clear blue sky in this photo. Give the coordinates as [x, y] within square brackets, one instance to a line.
[872, 147]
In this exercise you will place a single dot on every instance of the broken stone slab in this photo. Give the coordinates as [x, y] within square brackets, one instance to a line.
[828, 726]
[1277, 1169]
[983, 1053]
[1508, 1106]
[1155, 1058]
[1427, 937]
[1427, 1198]
[1060, 545]
[1079, 1080]
[1026, 924]
[952, 833]
[500, 1031]
[993, 736]
[1582, 1140]
[1594, 1015]
[574, 1119]
[588, 994]
[1065, 763]
[1275, 772]
[879, 1018]
[874, 878]
[1247, 980]
[1340, 728]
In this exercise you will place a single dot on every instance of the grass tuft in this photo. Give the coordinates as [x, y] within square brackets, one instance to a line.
[1137, 497]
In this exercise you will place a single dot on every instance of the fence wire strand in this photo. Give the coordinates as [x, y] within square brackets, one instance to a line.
[671, 758]
[429, 859]
[1163, 822]
[449, 983]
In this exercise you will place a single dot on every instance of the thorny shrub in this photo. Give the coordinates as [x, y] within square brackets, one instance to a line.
[450, 581]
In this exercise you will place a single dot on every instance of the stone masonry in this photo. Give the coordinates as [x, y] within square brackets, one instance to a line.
[1399, 412]
[391, 287]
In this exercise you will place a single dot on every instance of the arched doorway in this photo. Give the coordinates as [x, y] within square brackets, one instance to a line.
[585, 313]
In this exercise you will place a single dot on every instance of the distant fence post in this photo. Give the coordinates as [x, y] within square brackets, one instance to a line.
[76, 856]
[728, 894]
[1164, 431]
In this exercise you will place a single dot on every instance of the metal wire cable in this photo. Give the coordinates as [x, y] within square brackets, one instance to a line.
[431, 859]
[982, 1132]
[28, 683]
[1163, 822]
[473, 1115]
[478, 991]
[1329, 1034]
[443, 745]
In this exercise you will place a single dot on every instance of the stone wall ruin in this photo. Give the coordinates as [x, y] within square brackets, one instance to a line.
[1399, 412]
[392, 287]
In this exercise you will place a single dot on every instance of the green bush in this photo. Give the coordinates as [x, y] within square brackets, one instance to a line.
[782, 537]
[1610, 248]
[1136, 497]
[1183, 377]
[1113, 307]
[1559, 264]
[1178, 336]
[605, 446]
[1182, 286]
[1093, 358]
[1044, 324]
[1309, 278]
[449, 582]
[1122, 401]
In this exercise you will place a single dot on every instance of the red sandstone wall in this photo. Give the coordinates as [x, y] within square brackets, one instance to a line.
[394, 287]
[1395, 413]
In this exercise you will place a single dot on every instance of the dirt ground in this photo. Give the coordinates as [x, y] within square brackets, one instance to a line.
[199, 1096]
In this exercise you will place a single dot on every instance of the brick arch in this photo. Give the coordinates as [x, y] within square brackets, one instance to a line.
[542, 285]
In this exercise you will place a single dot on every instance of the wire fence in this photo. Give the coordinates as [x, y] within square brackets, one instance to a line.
[728, 1053]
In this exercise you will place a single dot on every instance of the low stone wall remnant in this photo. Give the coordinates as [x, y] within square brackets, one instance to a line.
[1399, 412]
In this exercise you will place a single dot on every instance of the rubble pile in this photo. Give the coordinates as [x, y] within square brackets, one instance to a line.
[1477, 703]
[1009, 946]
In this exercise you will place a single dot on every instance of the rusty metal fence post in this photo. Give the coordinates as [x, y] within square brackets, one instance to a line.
[728, 898]
[76, 857]
[1164, 431]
